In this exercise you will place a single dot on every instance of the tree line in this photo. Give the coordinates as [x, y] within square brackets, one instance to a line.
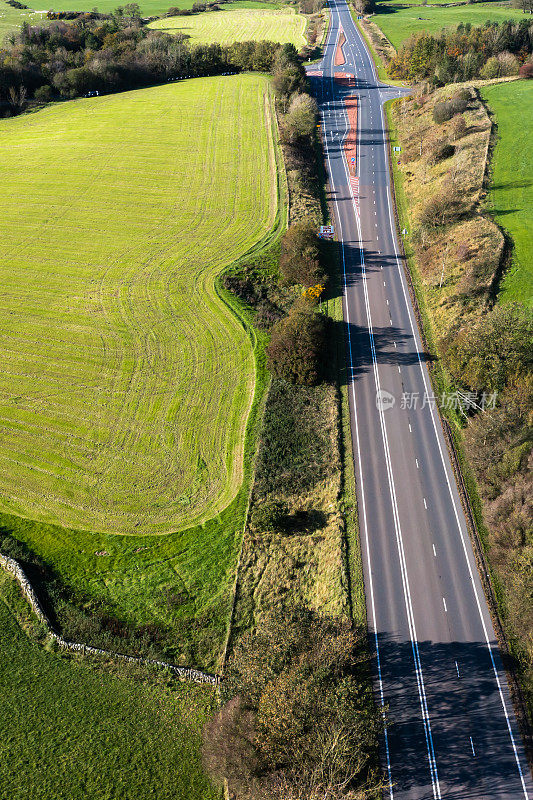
[116, 53]
[490, 51]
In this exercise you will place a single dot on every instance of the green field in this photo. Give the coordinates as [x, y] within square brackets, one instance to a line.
[126, 381]
[399, 23]
[72, 730]
[229, 25]
[511, 195]
[12, 18]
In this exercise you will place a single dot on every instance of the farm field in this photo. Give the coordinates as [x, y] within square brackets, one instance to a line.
[12, 18]
[511, 194]
[399, 23]
[127, 382]
[72, 730]
[229, 25]
[149, 8]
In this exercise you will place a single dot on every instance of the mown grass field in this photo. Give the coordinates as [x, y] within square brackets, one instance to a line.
[72, 730]
[241, 25]
[511, 195]
[126, 381]
[12, 18]
[149, 8]
[399, 23]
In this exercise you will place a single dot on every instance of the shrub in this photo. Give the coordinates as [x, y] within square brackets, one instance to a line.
[526, 70]
[459, 127]
[44, 94]
[443, 111]
[300, 255]
[491, 69]
[441, 151]
[460, 100]
[296, 348]
[440, 209]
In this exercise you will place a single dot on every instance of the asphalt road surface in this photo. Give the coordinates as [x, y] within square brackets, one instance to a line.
[451, 730]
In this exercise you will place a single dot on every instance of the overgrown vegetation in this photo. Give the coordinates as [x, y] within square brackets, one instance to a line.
[493, 51]
[297, 721]
[457, 255]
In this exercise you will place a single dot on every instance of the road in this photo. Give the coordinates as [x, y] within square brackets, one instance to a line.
[451, 730]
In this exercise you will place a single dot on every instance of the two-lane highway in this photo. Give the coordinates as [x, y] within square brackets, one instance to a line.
[450, 726]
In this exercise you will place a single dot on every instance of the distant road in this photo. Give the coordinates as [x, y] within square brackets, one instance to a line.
[451, 730]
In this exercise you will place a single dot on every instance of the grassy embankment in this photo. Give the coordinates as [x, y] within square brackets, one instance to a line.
[239, 25]
[399, 23]
[511, 192]
[127, 381]
[72, 730]
[465, 251]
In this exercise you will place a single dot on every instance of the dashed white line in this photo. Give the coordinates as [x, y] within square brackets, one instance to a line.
[425, 504]
[435, 554]
[472, 746]
[457, 669]
[416, 462]
[444, 604]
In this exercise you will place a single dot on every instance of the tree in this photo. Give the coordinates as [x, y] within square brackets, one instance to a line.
[495, 350]
[296, 349]
[300, 255]
[298, 721]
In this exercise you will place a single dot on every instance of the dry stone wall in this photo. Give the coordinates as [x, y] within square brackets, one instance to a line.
[184, 673]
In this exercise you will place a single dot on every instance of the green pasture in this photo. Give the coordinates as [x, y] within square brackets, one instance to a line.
[398, 23]
[229, 25]
[149, 8]
[71, 730]
[127, 382]
[12, 18]
[511, 194]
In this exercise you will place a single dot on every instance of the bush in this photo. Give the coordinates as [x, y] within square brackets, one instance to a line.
[300, 255]
[459, 127]
[296, 348]
[491, 69]
[526, 70]
[440, 209]
[443, 111]
[441, 151]
[460, 100]
[44, 94]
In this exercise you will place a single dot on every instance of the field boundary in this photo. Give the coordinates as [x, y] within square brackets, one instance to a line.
[11, 566]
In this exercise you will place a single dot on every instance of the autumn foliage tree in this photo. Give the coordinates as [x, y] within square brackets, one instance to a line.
[298, 721]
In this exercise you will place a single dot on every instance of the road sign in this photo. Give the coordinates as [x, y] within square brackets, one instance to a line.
[397, 149]
[326, 232]
[353, 160]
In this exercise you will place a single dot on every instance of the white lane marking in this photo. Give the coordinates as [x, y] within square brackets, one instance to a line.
[410, 429]
[434, 551]
[416, 462]
[397, 525]
[454, 504]
[384, 284]
[472, 746]
[387, 302]
[457, 669]
[444, 604]
[394, 343]
[399, 370]
[425, 504]
[363, 503]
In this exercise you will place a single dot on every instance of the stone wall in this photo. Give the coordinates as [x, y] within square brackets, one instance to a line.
[184, 673]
